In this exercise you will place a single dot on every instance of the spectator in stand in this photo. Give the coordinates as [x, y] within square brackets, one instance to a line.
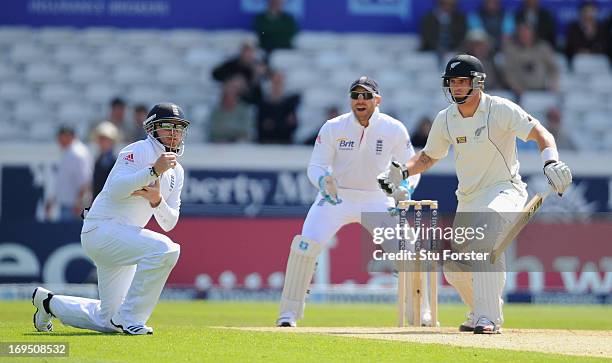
[116, 115]
[587, 34]
[246, 65]
[443, 28]
[477, 43]
[73, 182]
[138, 116]
[277, 113]
[540, 19]
[419, 136]
[529, 63]
[495, 21]
[231, 120]
[331, 111]
[554, 125]
[275, 28]
[105, 135]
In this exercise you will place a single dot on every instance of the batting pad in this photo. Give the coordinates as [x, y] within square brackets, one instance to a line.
[300, 268]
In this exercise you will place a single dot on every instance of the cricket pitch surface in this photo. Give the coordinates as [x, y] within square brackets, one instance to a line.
[595, 343]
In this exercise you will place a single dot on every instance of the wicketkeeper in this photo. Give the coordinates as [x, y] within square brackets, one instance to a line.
[349, 152]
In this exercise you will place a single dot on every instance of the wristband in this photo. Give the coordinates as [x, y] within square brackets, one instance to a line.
[549, 154]
[152, 172]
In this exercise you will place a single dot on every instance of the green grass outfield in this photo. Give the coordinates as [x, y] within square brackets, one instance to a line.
[189, 331]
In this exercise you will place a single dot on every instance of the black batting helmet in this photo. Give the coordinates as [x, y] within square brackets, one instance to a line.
[465, 66]
[166, 113]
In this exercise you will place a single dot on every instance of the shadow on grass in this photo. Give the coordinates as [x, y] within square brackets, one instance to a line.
[72, 334]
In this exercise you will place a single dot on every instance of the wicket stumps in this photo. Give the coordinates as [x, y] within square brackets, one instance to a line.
[416, 272]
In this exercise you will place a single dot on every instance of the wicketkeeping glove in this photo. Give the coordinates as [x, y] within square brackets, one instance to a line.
[328, 189]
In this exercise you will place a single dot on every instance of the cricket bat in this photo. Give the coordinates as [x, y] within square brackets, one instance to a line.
[517, 226]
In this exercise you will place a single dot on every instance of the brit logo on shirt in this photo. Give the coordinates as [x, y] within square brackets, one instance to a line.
[379, 146]
[171, 182]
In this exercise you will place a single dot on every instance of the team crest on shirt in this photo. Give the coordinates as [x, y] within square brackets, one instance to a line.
[379, 146]
[345, 143]
[461, 139]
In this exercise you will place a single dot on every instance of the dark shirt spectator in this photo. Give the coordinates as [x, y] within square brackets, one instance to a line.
[139, 115]
[105, 135]
[539, 19]
[443, 28]
[231, 120]
[555, 126]
[419, 136]
[477, 43]
[587, 34]
[276, 114]
[494, 20]
[247, 66]
[116, 115]
[275, 28]
[529, 63]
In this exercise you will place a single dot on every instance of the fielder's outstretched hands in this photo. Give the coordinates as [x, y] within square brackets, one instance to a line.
[390, 180]
[329, 189]
[164, 162]
[559, 175]
[150, 193]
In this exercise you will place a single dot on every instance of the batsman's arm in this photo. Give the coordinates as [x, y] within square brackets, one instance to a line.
[542, 137]
[419, 163]
[436, 148]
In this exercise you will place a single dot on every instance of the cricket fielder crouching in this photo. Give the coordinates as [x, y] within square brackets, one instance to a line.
[349, 152]
[482, 130]
[132, 263]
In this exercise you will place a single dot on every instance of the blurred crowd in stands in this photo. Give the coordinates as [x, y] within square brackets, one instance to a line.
[519, 50]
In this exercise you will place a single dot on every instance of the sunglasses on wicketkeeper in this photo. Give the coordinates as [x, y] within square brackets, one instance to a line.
[366, 95]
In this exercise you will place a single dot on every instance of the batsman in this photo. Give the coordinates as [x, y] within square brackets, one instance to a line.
[349, 152]
[482, 130]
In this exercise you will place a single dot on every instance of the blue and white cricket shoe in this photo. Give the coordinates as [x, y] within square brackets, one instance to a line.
[120, 327]
[286, 321]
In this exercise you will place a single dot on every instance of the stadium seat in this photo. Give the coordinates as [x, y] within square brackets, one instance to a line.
[205, 57]
[28, 110]
[74, 112]
[175, 75]
[87, 73]
[102, 92]
[317, 41]
[98, 36]
[591, 64]
[71, 54]
[186, 38]
[44, 72]
[59, 92]
[56, 36]
[538, 102]
[14, 91]
[132, 74]
[26, 52]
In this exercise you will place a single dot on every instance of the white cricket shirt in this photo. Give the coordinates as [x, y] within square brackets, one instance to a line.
[74, 172]
[484, 144]
[130, 173]
[355, 155]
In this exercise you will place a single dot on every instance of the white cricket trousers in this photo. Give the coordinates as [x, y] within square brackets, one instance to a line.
[133, 265]
[482, 288]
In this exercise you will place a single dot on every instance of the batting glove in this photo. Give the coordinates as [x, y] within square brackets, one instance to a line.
[391, 179]
[559, 175]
